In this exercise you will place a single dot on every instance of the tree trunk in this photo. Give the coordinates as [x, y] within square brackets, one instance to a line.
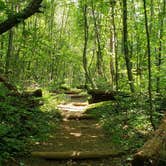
[151, 152]
[161, 25]
[87, 76]
[149, 67]
[17, 18]
[137, 40]
[125, 44]
[9, 51]
[99, 51]
[113, 57]
[51, 25]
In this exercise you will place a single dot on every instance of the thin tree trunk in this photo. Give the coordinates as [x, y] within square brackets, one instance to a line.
[85, 63]
[125, 44]
[151, 16]
[138, 57]
[149, 67]
[113, 57]
[9, 51]
[161, 19]
[51, 25]
[99, 52]
[2, 45]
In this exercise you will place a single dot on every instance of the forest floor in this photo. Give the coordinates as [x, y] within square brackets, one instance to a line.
[76, 134]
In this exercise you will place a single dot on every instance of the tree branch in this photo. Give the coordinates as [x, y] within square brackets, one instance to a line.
[15, 19]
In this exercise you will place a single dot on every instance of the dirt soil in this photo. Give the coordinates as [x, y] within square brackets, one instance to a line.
[76, 135]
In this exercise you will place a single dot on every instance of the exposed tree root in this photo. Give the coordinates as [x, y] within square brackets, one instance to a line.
[75, 155]
[151, 151]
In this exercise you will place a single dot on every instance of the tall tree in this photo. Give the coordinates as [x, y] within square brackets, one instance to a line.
[159, 58]
[85, 63]
[113, 48]
[10, 46]
[98, 40]
[125, 45]
[9, 51]
[149, 66]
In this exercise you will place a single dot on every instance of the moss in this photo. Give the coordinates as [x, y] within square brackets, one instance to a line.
[100, 109]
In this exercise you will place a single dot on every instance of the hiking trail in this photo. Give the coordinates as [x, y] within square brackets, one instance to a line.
[78, 141]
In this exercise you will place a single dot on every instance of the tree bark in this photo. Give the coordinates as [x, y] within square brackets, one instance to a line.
[113, 48]
[150, 153]
[87, 76]
[149, 66]
[99, 51]
[125, 44]
[9, 51]
[98, 95]
[17, 18]
[161, 24]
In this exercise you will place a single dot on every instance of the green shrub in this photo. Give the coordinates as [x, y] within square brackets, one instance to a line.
[125, 120]
[20, 125]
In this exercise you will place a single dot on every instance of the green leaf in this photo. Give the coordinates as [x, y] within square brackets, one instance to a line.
[2, 5]
[3, 129]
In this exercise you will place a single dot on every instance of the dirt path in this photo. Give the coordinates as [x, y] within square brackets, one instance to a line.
[84, 135]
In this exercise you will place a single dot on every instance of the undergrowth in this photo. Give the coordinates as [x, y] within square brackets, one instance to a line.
[21, 124]
[125, 120]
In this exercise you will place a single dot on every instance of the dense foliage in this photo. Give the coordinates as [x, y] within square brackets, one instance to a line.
[125, 120]
[112, 45]
[54, 39]
[21, 123]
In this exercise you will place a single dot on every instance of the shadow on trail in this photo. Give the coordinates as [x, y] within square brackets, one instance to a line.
[77, 141]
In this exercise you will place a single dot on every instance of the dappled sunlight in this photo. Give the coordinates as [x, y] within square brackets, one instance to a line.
[80, 79]
[76, 134]
[77, 103]
[44, 143]
[72, 107]
[94, 136]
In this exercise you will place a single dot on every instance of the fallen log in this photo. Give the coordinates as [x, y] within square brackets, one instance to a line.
[74, 92]
[98, 95]
[25, 98]
[77, 96]
[80, 104]
[79, 117]
[75, 155]
[151, 152]
[8, 85]
[35, 93]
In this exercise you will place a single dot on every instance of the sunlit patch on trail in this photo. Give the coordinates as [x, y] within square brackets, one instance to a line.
[73, 107]
[76, 134]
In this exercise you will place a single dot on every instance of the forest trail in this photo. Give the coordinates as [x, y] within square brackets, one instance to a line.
[77, 133]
